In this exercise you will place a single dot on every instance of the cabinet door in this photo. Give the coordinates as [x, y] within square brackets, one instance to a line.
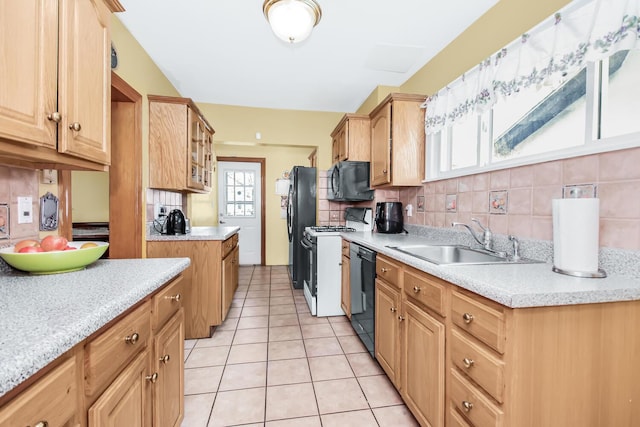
[343, 143]
[423, 369]
[387, 330]
[228, 287]
[381, 146]
[84, 80]
[168, 401]
[195, 173]
[345, 299]
[168, 128]
[127, 401]
[28, 88]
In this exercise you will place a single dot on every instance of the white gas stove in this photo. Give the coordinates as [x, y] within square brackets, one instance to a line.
[323, 278]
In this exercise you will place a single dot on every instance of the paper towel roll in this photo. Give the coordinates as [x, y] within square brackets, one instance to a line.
[576, 225]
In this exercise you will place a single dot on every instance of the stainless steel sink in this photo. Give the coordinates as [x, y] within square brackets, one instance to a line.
[457, 254]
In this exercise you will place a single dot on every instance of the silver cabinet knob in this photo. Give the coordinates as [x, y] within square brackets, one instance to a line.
[152, 378]
[467, 406]
[467, 317]
[54, 117]
[468, 362]
[165, 359]
[75, 126]
[132, 339]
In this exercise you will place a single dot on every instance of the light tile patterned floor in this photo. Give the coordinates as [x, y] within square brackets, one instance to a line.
[272, 364]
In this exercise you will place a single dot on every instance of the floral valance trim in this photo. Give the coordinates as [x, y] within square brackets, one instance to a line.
[548, 51]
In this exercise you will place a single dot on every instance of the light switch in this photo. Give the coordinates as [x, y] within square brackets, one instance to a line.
[25, 210]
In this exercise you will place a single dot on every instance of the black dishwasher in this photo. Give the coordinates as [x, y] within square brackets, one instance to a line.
[363, 276]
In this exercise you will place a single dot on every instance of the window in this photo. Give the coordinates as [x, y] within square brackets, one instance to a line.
[239, 193]
[569, 87]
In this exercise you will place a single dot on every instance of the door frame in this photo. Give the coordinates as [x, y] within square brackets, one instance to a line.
[263, 163]
[125, 174]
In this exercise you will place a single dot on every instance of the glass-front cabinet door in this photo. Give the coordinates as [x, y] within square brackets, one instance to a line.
[201, 154]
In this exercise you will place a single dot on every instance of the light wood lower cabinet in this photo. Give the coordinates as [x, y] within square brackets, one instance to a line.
[387, 330]
[468, 361]
[207, 294]
[52, 400]
[129, 373]
[423, 365]
[169, 387]
[127, 401]
[229, 279]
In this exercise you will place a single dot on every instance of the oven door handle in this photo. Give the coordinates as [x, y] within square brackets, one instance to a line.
[306, 244]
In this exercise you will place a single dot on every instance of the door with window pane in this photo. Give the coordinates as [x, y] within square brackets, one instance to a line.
[239, 202]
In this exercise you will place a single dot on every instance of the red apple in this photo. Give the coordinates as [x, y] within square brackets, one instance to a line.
[25, 243]
[30, 249]
[53, 243]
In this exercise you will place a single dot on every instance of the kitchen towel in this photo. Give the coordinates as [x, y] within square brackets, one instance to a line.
[576, 225]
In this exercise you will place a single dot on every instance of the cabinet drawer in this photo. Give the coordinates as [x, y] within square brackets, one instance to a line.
[388, 271]
[106, 355]
[425, 289]
[51, 400]
[229, 244]
[470, 401]
[480, 365]
[481, 320]
[345, 248]
[167, 302]
[457, 420]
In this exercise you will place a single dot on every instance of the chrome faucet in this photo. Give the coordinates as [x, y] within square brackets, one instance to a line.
[487, 235]
[516, 248]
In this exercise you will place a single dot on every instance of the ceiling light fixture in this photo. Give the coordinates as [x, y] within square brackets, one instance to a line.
[292, 20]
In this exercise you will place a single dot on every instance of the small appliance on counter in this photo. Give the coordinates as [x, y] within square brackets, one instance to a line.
[360, 219]
[174, 223]
[389, 217]
[349, 181]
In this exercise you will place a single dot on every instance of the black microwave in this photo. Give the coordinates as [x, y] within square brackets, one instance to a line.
[349, 181]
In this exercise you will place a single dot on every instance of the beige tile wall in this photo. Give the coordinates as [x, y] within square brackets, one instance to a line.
[332, 213]
[530, 191]
[14, 183]
[170, 199]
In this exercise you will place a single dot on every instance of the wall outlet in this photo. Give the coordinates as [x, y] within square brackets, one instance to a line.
[159, 211]
[25, 210]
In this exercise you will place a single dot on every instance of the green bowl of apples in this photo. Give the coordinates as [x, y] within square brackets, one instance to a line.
[75, 256]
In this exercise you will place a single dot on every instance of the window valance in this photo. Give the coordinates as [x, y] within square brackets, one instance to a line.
[584, 30]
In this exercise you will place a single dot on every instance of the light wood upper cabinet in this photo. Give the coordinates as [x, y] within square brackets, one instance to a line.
[351, 139]
[56, 102]
[398, 141]
[180, 145]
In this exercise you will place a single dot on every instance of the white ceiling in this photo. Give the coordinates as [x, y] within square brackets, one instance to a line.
[223, 51]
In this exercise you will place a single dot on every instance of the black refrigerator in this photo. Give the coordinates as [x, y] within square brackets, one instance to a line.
[301, 213]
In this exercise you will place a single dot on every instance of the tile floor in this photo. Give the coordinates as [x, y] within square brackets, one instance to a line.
[272, 364]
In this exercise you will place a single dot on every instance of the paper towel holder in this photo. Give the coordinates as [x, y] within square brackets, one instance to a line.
[586, 274]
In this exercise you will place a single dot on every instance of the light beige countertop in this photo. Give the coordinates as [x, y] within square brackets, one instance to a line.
[513, 285]
[197, 233]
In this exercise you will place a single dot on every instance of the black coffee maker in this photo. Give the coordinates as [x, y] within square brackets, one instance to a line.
[389, 217]
[176, 223]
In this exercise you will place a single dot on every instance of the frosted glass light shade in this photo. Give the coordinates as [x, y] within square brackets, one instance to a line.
[292, 20]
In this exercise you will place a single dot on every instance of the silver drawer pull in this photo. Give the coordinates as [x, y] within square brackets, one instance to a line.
[467, 317]
[152, 378]
[384, 270]
[174, 297]
[468, 362]
[416, 289]
[467, 406]
[393, 309]
[132, 339]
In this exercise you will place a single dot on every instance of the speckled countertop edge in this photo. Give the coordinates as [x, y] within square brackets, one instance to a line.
[513, 285]
[45, 316]
[197, 233]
